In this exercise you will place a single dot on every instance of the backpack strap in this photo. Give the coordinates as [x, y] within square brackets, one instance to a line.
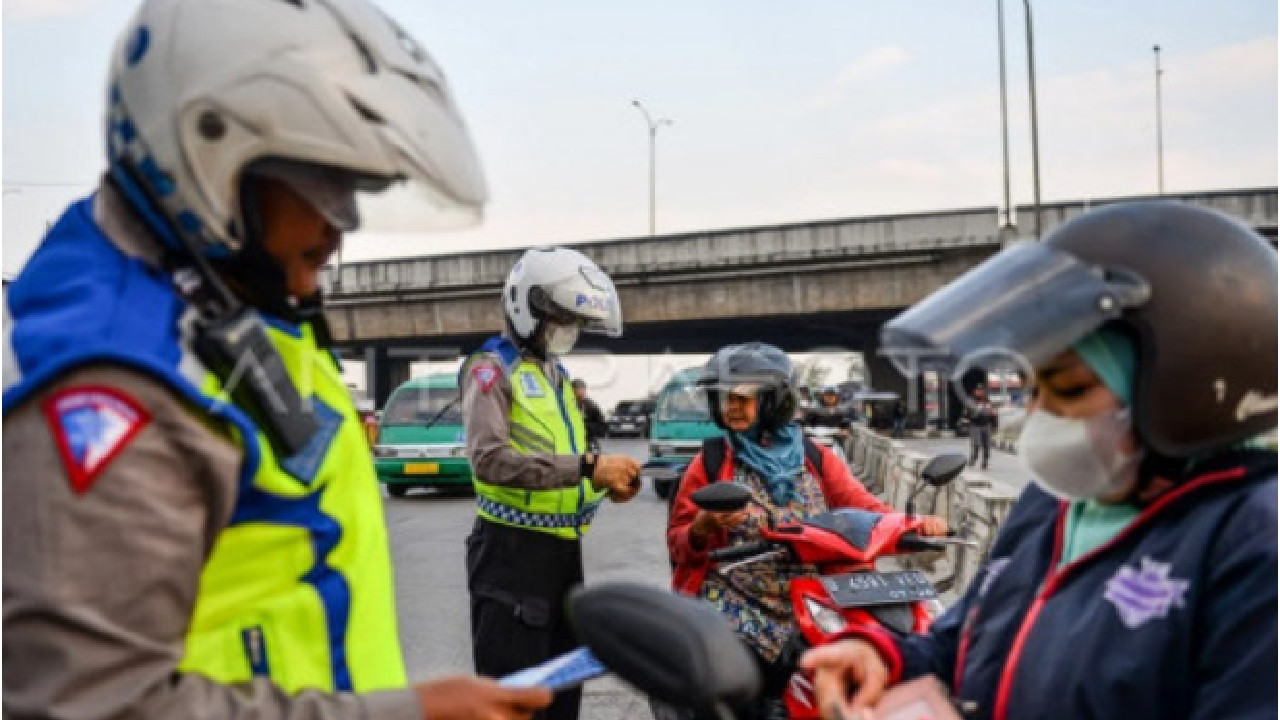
[813, 454]
[714, 450]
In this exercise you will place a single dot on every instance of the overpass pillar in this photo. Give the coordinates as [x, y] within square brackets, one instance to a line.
[383, 373]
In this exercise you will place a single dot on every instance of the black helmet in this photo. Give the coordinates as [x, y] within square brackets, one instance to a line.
[752, 364]
[1195, 289]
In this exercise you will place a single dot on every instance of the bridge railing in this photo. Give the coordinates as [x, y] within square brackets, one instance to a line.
[691, 252]
[722, 250]
[970, 504]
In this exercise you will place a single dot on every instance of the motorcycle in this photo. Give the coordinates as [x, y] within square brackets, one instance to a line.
[848, 590]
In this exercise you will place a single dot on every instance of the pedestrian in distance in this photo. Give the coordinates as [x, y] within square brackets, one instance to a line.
[980, 415]
[900, 419]
[592, 417]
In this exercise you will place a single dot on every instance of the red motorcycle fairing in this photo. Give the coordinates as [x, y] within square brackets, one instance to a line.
[815, 545]
[799, 697]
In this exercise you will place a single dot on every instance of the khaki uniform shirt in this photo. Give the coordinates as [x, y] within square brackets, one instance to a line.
[99, 587]
[486, 412]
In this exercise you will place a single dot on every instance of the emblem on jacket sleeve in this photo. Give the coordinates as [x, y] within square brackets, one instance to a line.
[1142, 594]
[485, 376]
[91, 425]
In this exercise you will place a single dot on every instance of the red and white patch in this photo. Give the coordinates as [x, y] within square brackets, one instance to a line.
[485, 376]
[92, 425]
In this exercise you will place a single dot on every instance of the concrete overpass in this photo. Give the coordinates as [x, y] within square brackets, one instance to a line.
[802, 286]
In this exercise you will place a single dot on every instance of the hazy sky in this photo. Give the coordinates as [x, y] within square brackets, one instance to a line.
[783, 112]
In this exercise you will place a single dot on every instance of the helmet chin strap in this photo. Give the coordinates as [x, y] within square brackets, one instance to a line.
[255, 275]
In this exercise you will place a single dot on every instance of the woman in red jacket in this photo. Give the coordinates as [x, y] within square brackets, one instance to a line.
[749, 393]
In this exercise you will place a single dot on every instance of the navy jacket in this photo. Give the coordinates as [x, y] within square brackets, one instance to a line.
[1174, 618]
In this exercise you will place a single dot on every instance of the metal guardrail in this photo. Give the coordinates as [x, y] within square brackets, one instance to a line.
[971, 504]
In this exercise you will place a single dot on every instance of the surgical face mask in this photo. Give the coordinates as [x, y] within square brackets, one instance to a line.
[1079, 459]
[561, 338]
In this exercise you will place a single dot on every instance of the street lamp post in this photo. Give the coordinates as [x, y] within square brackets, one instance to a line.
[1159, 127]
[1004, 117]
[653, 142]
[1035, 133]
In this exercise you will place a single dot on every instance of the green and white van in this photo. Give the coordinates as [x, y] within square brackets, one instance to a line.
[680, 422]
[421, 441]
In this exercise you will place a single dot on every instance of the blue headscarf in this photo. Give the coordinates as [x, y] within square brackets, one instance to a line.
[778, 464]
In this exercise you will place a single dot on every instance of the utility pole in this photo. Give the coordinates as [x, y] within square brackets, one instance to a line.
[1004, 118]
[653, 143]
[1035, 133]
[1159, 127]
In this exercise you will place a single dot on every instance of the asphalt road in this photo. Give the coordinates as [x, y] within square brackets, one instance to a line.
[427, 533]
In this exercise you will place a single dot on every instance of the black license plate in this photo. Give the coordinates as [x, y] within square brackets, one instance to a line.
[878, 588]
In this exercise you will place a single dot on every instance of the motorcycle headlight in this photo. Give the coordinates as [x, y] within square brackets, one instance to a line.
[828, 621]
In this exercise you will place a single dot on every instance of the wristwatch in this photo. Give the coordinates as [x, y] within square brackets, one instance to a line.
[587, 465]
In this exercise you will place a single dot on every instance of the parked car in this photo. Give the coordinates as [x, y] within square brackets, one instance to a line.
[420, 437]
[630, 418]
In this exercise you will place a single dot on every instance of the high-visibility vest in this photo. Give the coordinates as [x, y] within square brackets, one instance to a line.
[544, 419]
[298, 585]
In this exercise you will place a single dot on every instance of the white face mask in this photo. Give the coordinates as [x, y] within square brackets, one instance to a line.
[561, 338]
[1079, 459]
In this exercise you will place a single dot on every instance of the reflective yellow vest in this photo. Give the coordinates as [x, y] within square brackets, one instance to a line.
[544, 419]
[298, 587]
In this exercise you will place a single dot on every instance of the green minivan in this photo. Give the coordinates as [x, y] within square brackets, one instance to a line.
[680, 422]
[421, 442]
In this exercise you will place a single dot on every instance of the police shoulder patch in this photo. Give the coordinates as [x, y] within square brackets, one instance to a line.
[485, 376]
[92, 425]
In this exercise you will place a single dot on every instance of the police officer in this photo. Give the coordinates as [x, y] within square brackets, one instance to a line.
[192, 526]
[1136, 577]
[537, 484]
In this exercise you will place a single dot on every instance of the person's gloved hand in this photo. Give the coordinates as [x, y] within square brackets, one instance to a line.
[933, 525]
[466, 697]
[617, 474]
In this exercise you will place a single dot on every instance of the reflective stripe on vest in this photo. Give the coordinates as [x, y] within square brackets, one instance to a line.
[543, 420]
[299, 586]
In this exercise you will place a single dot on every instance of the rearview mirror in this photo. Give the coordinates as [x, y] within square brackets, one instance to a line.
[671, 647]
[942, 469]
[722, 497]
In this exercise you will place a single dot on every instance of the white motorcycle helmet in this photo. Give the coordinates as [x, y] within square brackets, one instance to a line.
[337, 100]
[564, 289]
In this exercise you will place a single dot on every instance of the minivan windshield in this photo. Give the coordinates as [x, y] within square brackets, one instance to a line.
[682, 403]
[422, 406]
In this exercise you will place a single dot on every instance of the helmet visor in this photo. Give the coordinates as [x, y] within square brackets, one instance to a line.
[350, 202]
[588, 296]
[1018, 309]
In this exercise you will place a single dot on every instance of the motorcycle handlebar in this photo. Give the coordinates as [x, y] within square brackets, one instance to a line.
[739, 552]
